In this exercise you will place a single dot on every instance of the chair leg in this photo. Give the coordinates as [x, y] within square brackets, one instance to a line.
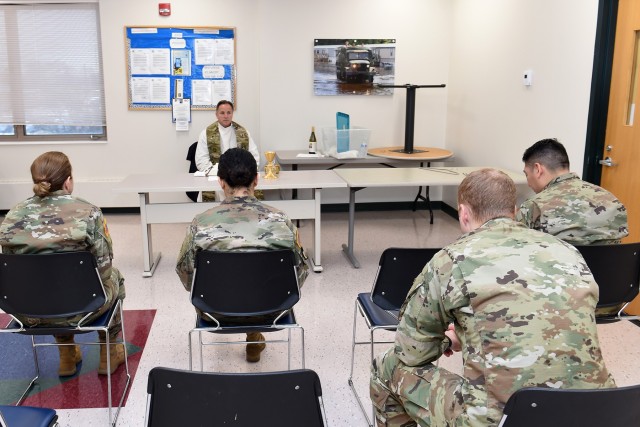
[108, 354]
[37, 368]
[302, 339]
[190, 351]
[288, 349]
[114, 420]
[353, 350]
[353, 341]
[201, 356]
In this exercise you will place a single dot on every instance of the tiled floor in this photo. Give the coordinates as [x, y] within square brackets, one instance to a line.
[325, 311]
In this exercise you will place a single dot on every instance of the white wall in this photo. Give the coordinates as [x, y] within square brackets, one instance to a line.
[491, 117]
[478, 48]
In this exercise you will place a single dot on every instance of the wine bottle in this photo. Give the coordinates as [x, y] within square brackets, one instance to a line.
[312, 141]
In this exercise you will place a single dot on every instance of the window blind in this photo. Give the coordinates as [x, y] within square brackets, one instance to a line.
[50, 65]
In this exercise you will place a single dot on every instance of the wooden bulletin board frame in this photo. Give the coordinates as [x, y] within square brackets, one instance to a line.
[166, 63]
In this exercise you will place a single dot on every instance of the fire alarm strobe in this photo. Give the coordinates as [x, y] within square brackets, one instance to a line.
[164, 9]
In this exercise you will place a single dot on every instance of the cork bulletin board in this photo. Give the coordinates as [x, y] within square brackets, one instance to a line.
[174, 63]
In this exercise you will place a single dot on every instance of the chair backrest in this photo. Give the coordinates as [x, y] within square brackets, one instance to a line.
[62, 284]
[188, 398]
[616, 269]
[245, 283]
[397, 269]
[191, 157]
[535, 407]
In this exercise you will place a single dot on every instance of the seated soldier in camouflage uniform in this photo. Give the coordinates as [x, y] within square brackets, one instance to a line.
[240, 223]
[573, 210]
[55, 221]
[218, 138]
[518, 303]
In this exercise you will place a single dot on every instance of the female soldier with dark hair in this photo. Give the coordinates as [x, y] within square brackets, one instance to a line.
[240, 222]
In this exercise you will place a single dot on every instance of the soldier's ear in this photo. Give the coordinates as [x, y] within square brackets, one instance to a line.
[538, 169]
[68, 184]
[465, 218]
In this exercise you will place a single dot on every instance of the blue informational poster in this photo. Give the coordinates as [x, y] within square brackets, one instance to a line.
[342, 132]
[165, 63]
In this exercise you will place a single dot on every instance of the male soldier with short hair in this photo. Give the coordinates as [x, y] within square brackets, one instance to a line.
[518, 303]
[573, 210]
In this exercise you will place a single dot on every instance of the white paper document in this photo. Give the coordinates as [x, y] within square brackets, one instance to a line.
[209, 92]
[150, 90]
[150, 61]
[181, 110]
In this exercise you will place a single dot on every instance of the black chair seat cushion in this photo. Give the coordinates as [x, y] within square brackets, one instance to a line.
[377, 316]
[100, 322]
[288, 319]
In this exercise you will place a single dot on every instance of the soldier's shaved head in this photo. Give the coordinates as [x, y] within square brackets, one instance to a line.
[547, 152]
[489, 193]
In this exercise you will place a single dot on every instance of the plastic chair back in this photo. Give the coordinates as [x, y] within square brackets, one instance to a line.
[535, 407]
[245, 283]
[616, 269]
[398, 268]
[62, 284]
[187, 398]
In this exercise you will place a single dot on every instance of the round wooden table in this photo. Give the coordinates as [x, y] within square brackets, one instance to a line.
[425, 154]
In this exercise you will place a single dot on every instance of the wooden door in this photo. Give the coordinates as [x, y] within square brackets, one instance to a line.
[622, 142]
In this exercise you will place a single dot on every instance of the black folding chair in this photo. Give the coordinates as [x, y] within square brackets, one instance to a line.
[27, 416]
[187, 398]
[616, 269]
[57, 285]
[397, 269]
[535, 407]
[191, 158]
[240, 285]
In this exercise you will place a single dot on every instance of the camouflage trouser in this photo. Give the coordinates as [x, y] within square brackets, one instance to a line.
[115, 282]
[405, 396]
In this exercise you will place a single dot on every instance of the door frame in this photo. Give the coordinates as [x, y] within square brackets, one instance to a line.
[600, 89]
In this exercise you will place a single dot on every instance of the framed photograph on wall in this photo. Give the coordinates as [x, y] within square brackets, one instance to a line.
[353, 66]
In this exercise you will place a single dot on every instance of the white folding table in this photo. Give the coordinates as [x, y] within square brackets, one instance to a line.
[162, 213]
[357, 179]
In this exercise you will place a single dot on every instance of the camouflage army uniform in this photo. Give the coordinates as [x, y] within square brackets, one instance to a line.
[576, 211]
[522, 303]
[239, 224]
[61, 222]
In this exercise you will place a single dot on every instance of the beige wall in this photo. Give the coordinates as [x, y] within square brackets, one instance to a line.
[491, 116]
[478, 48]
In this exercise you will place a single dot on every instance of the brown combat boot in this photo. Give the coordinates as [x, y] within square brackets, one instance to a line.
[116, 352]
[254, 350]
[70, 356]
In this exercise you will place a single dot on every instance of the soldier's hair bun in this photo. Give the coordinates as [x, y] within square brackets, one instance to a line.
[49, 171]
[42, 188]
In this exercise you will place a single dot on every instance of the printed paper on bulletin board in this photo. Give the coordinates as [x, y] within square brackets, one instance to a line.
[166, 63]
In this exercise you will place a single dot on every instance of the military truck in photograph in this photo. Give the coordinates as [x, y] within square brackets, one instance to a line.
[355, 64]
